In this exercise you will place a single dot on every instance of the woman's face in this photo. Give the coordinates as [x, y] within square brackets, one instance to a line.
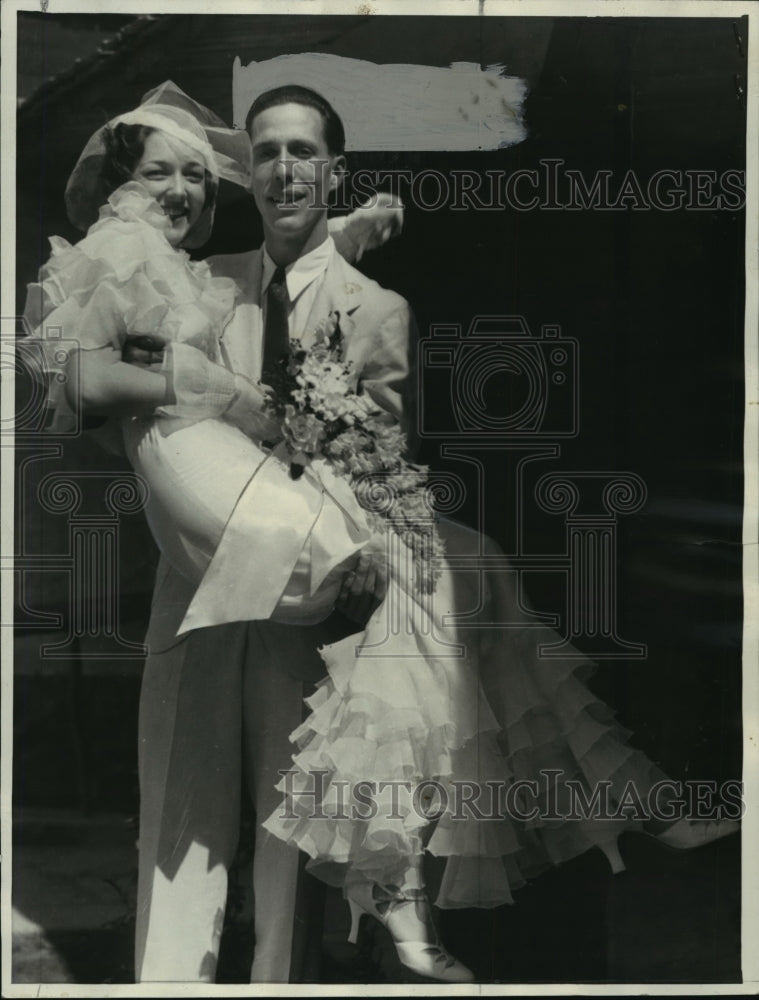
[176, 178]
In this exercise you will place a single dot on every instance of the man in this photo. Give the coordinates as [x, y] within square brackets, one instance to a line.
[220, 700]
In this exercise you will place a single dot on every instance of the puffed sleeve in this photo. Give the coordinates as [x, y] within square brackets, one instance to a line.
[123, 279]
[92, 295]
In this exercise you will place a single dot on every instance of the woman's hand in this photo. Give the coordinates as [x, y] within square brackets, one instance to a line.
[372, 224]
[198, 388]
[247, 411]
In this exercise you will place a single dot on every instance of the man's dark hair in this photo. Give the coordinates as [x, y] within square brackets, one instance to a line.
[334, 132]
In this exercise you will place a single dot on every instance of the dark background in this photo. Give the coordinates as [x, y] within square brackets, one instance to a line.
[655, 300]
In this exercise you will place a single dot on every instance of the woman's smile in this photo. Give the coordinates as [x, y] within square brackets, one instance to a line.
[173, 175]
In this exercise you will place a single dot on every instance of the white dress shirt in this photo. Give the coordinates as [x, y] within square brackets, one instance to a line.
[304, 277]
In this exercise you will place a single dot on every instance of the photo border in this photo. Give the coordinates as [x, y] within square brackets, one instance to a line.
[432, 8]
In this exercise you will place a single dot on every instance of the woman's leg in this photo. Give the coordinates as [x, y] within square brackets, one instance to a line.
[228, 516]
[195, 475]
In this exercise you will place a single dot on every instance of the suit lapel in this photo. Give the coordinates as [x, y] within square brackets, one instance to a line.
[339, 293]
[242, 341]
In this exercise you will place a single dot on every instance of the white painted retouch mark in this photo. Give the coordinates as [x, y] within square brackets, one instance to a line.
[398, 106]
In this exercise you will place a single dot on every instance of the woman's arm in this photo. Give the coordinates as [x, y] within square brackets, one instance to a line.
[373, 223]
[186, 385]
[99, 383]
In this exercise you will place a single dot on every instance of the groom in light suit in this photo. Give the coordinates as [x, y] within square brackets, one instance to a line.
[219, 700]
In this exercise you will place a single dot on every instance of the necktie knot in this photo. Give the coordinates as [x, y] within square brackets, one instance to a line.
[278, 285]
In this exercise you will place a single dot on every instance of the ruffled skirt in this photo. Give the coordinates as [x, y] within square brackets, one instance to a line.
[457, 738]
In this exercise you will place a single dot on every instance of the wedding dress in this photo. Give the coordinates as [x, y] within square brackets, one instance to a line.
[417, 709]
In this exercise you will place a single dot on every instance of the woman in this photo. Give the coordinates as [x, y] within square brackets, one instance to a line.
[431, 705]
[128, 279]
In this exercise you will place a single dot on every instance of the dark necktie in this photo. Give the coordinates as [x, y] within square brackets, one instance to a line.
[276, 330]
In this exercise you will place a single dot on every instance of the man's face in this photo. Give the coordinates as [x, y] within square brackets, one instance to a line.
[292, 169]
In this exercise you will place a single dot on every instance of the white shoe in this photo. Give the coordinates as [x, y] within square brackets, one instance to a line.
[397, 910]
[687, 834]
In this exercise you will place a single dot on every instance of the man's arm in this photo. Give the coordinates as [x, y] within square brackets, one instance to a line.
[384, 351]
[389, 372]
[388, 375]
[100, 384]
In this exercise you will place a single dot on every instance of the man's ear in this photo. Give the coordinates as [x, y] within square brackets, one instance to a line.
[338, 172]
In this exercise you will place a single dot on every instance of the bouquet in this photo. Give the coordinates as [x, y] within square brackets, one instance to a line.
[322, 416]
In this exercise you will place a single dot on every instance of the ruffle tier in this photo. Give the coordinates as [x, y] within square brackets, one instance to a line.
[490, 751]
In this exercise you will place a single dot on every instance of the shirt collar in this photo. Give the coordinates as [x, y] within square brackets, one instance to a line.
[301, 272]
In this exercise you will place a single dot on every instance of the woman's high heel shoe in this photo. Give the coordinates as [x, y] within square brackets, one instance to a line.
[687, 834]
[684, 835]
[398, 910]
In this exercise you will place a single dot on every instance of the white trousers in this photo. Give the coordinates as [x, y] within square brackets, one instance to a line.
[215, 710]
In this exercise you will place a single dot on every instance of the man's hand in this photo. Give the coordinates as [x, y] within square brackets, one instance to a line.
[144, 351]
[363, 588]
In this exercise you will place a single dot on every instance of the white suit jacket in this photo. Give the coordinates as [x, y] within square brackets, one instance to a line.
[379, 340]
